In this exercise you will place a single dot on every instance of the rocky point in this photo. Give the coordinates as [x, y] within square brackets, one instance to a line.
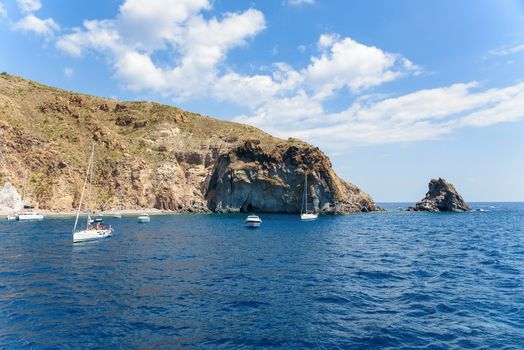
[442, 196]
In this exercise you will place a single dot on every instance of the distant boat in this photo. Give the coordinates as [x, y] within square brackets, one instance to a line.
[305, 214]
[117, 216]
[253, 221]
[94, 227]
[11, 217]
[143, 218]
[29, 215]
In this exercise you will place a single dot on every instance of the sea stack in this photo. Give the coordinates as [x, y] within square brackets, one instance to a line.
[442, 196]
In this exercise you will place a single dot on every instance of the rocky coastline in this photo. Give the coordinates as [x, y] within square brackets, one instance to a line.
[156, 157]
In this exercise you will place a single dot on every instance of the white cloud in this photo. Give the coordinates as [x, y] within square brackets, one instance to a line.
[3, 10]
[300, 2]
[507, 50]
[68, 72]
[30, 23]
[422, 115]
[29, 6]
[345, 62]
[197, 45]
[171, 48]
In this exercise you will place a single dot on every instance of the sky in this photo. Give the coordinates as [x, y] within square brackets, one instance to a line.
[394, 92]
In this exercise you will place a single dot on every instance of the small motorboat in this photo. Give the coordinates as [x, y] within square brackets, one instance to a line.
[143, 218]
[117, 216]
[11, 217]
[253, 221]
[30, 215]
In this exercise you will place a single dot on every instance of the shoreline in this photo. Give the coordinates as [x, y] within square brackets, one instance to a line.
[123, 212]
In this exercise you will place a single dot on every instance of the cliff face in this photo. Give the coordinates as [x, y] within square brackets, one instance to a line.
[250, 177]
[442, 196]
[150, 155]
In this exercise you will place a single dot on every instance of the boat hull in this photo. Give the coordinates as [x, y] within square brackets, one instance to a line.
[307, 217]
[91, 235]
[253, 224]
[144, 219]
[23, 217]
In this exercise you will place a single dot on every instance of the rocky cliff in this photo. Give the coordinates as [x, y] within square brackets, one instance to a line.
[151, 155]
[442, 196]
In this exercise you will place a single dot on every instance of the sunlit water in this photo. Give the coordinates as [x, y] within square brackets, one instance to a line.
[377, 280]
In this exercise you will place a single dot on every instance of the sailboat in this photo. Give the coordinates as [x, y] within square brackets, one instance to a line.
[94, 228]
[304, 213]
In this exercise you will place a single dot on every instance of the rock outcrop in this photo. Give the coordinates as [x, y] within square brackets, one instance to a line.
[154, 156]
[10, 200]
[250, 177]
[442, 196]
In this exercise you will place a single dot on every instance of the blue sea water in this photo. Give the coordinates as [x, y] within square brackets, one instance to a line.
[376, 280]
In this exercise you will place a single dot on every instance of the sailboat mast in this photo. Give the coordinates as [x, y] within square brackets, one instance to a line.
[305, 191]
[83, 189]
[90, 208]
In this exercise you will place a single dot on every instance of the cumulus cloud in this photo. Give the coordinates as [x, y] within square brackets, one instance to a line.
[3, 10]
[197, 44]
[422, 115]
[29, 6]
[30, 23]
[172, 49]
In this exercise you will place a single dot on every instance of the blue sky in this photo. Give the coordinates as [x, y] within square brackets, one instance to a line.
[395, 92]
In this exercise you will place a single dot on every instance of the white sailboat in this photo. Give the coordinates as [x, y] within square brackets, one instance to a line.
[94, 229]
[304, 213]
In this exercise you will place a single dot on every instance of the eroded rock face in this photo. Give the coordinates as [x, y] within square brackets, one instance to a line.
[442, 196]
[253, 178]
[10, 199]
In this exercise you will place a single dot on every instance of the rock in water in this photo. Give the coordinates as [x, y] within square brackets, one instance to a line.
[10, 199]
[442, 196]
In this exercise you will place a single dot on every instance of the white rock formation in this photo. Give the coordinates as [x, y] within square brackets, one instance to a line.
[10, 200]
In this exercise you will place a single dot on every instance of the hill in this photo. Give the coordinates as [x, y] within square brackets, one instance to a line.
[150, 155]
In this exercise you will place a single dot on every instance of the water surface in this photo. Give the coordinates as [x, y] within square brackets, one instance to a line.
[377, 280]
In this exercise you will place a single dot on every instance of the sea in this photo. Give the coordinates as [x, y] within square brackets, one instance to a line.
[383, 280]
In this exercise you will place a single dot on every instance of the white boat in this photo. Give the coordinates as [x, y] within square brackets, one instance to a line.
[117, 216]
[95, 229]
[305, 214]
[253, 221]
[308, 216]
[143, 218]
[29, 215]
[11, 217]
